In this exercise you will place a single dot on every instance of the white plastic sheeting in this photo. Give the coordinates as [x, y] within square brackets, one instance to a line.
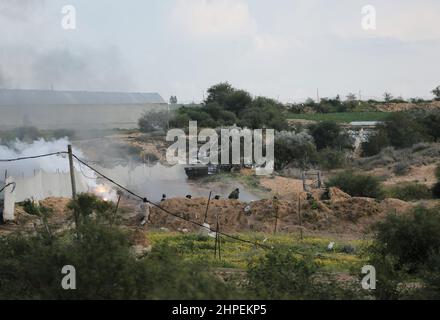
[40, 186]
[9, 201]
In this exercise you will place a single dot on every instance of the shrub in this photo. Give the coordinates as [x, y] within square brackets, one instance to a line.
[106, 268]
[375, 143]
[401, 168]
[410, 238]
[407, 247]
[87, 204]
[403, 131]
[409, 192]
[357, 185]
[154, 121]
[296, 148]
[331, 159]
[280, 274]
[328, 134]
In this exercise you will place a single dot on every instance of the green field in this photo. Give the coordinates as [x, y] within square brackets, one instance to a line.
[236, 255]
[341, 116]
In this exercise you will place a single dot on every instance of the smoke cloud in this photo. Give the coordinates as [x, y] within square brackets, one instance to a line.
[37, 53]
[50, 164]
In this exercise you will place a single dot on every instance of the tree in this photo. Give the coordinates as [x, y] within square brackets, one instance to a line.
[388, 97]
[328, 134]
[173, 100]
[153, 121]
[351, 97]
[296, 148]
[375, 143]
[403, 131]
[219, 93]
[436, 93]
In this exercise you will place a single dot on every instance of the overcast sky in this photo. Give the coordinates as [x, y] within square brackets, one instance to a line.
[283, 49]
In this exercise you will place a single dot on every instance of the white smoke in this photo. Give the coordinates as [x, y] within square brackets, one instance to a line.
[50, 164]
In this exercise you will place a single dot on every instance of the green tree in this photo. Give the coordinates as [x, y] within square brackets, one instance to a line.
[375, 143]
[436, 93]
[402, 131]
[153, 121]
[328, 134]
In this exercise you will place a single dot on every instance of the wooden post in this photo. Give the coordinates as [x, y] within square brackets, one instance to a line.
[72, 180]
[116, 209]
[300, 217]
[207, 207]
[275, 207]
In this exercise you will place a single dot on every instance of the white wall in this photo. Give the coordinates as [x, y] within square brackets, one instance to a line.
[75, 117]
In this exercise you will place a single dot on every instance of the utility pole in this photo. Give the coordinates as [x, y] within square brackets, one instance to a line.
[72, 180]
[207, 207]
[217, 246]
[318, 100]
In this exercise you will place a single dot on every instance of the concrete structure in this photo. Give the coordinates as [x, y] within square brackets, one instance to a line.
[48, 109]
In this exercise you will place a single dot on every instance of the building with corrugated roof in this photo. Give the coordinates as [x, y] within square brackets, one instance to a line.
[49, 109]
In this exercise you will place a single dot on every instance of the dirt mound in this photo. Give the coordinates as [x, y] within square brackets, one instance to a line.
[336, 194]
[340, 214]
[392, 205]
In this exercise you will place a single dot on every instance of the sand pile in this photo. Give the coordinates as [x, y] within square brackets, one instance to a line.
[341, 213]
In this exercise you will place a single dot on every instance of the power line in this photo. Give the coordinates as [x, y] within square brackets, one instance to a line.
[34, 157]
[168, 211]
[136, 195]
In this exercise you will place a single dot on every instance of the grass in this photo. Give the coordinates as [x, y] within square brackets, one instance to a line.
[341, 116]
[236, 255]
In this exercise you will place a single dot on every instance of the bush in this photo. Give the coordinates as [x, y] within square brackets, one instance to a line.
[407, 248]
[87, 204]
[357, 185]
[280, 274]
[409, 192]
[328, 134]
[410, 238]
[403, 131]
[331, 159]
[154, 121]
[106, 268]
[375, 143]
[296, 148]
[402, 168]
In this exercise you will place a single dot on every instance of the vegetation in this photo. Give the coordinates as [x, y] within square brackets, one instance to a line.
[409, 192]
[227, 106]
[329, 134]
[407, 248]
[294, 148]
[329, 159]
[403, 130]
[341, 116]
[154, 121]
[436, 93]
[357, 185]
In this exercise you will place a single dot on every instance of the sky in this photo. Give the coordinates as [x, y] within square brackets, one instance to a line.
[284, 49]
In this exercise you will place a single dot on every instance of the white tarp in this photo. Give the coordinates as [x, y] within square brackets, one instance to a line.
[40, 186]
[9, 201]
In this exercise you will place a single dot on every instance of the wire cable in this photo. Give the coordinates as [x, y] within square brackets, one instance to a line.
[168, 211]
[34, 157]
